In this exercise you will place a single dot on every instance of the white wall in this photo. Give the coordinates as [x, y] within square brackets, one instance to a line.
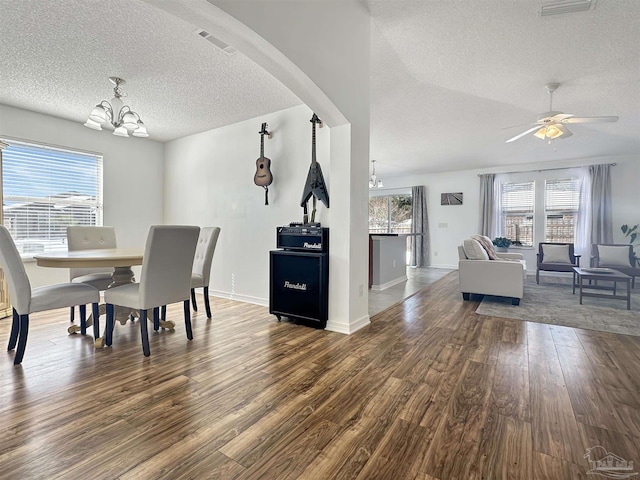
[209, 181]
[449, 225]
[133, 176]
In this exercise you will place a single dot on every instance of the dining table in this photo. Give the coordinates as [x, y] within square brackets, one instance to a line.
[120, 259]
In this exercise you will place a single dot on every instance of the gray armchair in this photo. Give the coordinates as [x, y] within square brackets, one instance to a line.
[556, 257]
[616, 256]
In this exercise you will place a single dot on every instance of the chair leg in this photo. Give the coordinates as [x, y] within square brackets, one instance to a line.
[156, 318]
[144, 333]
[466, 296]
[163, 313]
[187, 319]
[538, 277]
[83, 319]
[96, 320]
[22, 339]
[108, 334]
[207, 306]
[193, 299]
[72, 316]
[15, 329]
[515, 301]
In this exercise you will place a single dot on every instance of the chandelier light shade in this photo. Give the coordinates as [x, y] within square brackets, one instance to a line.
[374, 181]
[115, 113]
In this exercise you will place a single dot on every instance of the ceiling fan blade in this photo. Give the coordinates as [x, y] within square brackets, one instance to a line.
[589, 119]
[537, 127]
[520, 126]
[561, 117]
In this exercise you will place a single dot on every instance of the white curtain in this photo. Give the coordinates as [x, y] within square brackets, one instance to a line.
[491, 223]
[583, 223]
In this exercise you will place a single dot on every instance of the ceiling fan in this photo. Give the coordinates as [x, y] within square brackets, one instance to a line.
[551, 125]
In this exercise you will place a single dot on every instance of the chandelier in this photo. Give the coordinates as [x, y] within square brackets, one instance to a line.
[116, 113]
[374, 182]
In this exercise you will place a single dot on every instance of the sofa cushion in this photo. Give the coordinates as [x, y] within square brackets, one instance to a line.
[487, 244]
[555, 254]
[473, 250]
[614, 256]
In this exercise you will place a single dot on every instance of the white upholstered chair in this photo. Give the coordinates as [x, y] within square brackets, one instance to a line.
[90, 238]
[165, 279]
[26, 300]
[202, 265]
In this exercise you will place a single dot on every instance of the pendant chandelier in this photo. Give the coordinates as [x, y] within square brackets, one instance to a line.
[374, 182]
[117, 114]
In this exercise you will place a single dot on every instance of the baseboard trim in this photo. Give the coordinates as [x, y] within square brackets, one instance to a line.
[348, 328]
[241, 298]
[393, 282]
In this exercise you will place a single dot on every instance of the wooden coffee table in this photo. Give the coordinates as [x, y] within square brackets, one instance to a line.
[601, 274]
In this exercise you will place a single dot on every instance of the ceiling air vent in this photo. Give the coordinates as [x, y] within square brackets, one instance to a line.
[557, 8]
[225, 47]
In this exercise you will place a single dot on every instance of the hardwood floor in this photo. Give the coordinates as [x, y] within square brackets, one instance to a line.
[429, 391]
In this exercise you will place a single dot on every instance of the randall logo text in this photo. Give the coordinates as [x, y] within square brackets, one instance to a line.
[313, 246]
[295, 286]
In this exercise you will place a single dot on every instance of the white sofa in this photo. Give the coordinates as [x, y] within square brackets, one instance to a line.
[503, 277]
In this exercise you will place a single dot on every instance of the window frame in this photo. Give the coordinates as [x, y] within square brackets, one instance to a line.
[51, 202]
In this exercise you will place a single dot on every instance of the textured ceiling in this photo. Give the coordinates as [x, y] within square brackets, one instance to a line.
[447, 76]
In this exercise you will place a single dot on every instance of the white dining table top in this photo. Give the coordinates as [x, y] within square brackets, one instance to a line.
[103, 257]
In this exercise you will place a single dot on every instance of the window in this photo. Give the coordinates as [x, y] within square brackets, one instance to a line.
[516, 205]
[390, 214]
[562, 201]
[44, 190]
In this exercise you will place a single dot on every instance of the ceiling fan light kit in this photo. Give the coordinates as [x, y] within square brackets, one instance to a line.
[117, 114]
[550, 125]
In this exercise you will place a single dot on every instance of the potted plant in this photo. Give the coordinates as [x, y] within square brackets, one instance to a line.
[501, 244]
[633, 232]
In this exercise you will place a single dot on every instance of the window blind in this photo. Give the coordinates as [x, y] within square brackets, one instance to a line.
[562, 201]
[45, 189]
[517, 205]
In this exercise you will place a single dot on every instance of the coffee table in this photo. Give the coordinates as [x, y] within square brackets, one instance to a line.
[601, 274]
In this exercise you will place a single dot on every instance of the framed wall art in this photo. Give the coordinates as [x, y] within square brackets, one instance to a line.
[451, 198]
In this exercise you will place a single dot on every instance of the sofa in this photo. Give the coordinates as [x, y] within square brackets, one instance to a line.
[478, 273]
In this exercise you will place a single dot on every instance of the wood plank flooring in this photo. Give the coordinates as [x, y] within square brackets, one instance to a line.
[429, 391]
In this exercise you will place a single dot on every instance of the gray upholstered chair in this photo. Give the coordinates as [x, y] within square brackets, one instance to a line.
[165, 279]
[617, 256]
[90, 238]
[26, 300]
[556, 257]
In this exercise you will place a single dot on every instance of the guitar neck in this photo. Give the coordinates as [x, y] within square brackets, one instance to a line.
[313, 146]
[261, 145]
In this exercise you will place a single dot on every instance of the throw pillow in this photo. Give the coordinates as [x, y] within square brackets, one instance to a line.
[473, 250]
[614, 256]
[487, 244]
[555, 254]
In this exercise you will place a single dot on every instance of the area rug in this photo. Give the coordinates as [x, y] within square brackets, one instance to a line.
[553, 303]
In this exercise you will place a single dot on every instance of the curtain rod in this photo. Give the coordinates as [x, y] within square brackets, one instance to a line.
[547, 169]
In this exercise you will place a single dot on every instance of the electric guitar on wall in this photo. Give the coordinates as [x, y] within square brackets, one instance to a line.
[314, 185]
[263, 176]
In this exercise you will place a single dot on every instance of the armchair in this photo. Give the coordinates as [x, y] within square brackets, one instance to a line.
[556, 257]
[617, 256]
[477, 274]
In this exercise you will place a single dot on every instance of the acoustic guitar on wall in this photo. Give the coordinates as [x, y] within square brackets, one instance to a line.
[263, 176]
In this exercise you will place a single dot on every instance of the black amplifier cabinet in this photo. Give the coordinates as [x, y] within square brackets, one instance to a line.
[303, 238]
[300, 286]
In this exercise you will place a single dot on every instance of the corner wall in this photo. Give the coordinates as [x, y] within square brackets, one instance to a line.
[209, 182]
[132, 184]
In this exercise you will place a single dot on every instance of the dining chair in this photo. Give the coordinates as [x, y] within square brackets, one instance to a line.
[202, 265]
[165, 279]
[26, 300]
[90, 238]
[201, 273]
